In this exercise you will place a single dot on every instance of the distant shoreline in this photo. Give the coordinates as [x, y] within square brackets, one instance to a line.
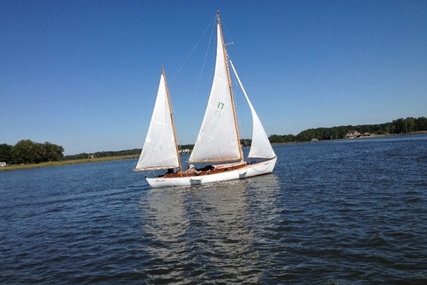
[111, 158]
[362, 138]
[64, 162]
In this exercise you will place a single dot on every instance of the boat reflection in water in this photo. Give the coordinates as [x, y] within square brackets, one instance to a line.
[209, 232]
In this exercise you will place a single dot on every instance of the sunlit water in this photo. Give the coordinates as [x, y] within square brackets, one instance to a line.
[342, 212]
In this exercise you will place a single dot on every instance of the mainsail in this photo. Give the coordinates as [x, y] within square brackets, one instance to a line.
[218, 138]
[160, 148]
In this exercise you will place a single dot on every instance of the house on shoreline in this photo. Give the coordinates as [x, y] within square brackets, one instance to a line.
[356, 134]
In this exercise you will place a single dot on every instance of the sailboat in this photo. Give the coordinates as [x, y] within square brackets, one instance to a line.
[218, 143]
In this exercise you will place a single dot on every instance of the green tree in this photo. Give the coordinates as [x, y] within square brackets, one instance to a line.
[5, 153]
[282, 139]
[421, 124]
[23, 152]
[27, 151]
[53, 152]
[399, 126]
[410, 124]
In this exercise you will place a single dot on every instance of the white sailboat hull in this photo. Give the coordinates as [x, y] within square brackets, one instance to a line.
[249, 170]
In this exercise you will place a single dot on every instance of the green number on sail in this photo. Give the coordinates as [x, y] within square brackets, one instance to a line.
[220, 105]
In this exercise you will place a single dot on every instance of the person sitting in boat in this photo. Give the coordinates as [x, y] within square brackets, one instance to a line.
[170, 171]
[191, 170]
[207, 168]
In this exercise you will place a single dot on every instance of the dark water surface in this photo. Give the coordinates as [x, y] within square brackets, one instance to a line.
[342, 212]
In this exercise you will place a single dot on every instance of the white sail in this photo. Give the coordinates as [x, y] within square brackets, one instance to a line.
[218, 137]
[260, 147]
[160, 151]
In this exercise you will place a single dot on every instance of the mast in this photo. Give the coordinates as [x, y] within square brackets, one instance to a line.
[172, 120]
[230, 86]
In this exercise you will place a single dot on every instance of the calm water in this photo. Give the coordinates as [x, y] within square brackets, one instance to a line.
[344, 212]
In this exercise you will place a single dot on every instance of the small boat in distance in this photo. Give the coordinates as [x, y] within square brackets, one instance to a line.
[218, 143]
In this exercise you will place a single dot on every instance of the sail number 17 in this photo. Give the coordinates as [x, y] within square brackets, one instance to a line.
[220, 105]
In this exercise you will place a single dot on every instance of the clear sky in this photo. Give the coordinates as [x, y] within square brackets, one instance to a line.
[84, 74]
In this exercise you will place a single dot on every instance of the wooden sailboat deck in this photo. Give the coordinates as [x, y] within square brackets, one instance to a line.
[219, 168]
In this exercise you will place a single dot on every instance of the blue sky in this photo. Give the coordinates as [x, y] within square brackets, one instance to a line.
[84, 74]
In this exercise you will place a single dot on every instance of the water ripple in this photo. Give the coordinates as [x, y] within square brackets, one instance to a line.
[349, 212]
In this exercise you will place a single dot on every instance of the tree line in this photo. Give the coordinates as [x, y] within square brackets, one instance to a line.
[130, 152]
[27, 151]
[399, 126]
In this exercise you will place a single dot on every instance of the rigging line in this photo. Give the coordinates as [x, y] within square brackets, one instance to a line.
[240, 102]
[204, 60]
[192, 50]
[224, 28]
